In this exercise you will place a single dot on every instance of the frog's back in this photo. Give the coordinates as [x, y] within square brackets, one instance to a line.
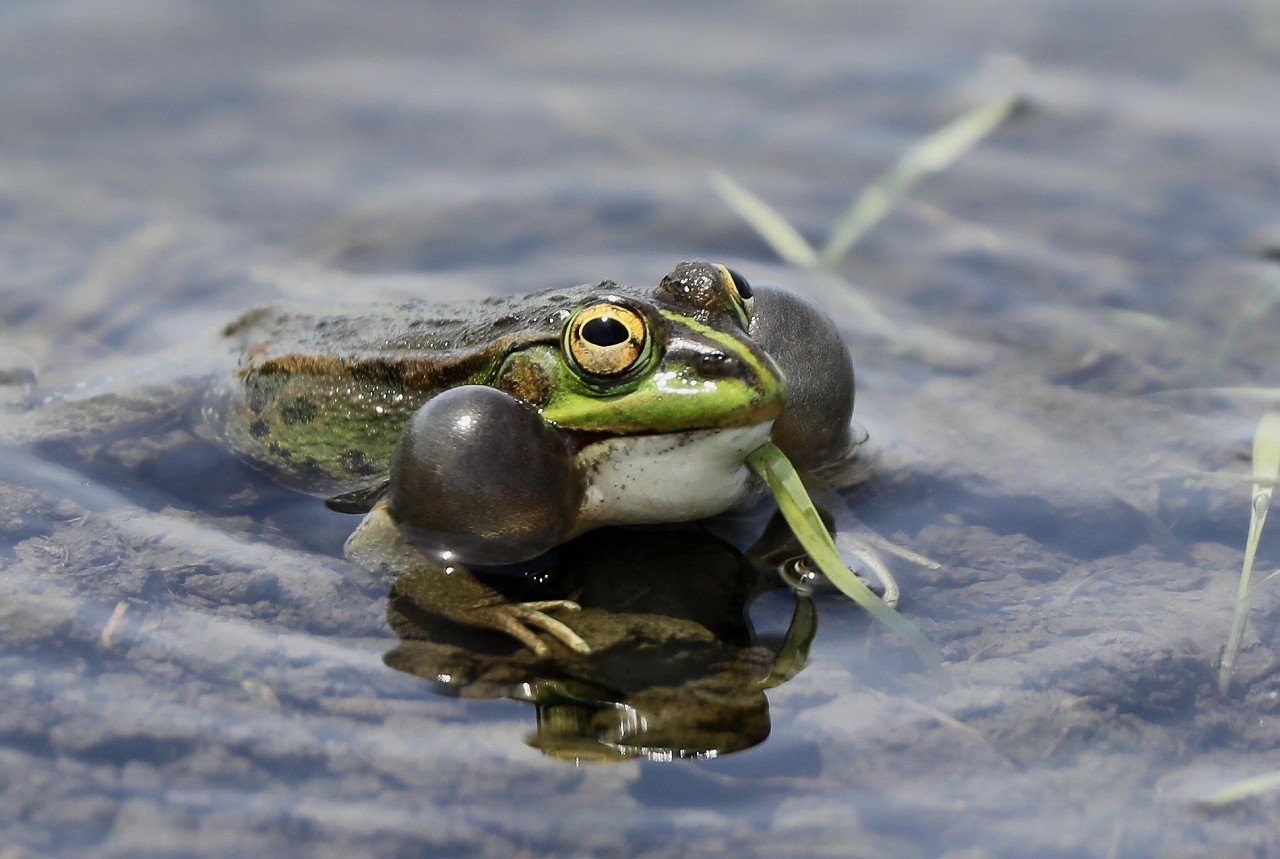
[319, 398]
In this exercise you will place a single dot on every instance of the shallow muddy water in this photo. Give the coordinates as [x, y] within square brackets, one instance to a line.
[190, 667]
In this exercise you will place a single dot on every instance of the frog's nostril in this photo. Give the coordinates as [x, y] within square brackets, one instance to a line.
[712, 360]
[719, 364]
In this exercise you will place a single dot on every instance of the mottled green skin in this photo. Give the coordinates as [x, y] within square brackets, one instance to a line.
[319, 399]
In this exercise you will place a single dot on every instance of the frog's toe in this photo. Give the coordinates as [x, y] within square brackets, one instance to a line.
[515, 619]
[534, 613]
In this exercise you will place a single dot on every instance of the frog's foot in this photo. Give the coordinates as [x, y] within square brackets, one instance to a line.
[516, 618]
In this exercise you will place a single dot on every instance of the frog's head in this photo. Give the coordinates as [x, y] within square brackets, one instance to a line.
[674, 359]
[802, 342]
[702, 350]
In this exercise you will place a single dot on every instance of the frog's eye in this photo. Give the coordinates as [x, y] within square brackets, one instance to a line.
[606, 339]
[739, 284]
[737, 287]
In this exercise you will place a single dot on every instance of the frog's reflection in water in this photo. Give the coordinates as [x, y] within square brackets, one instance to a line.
[676, 670]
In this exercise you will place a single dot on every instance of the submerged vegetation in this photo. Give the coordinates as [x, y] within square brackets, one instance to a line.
[1266, 469]
[1250, 315]
[797, 508]
[932, 154]
[1266, 464]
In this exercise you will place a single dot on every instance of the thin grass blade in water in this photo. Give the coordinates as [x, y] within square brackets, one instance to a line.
[933, 154]
[776, 230]
[1266, 449]
[1264, 395]
[793, 501]
[1266, 466]
[1242, 789]
[1257, 307]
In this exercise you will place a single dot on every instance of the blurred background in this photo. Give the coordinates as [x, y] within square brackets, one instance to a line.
[166, 165]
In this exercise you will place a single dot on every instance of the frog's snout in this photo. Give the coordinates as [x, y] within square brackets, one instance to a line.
[720, 365]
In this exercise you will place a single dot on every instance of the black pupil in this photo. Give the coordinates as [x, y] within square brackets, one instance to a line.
[604, 331]
[744, 288]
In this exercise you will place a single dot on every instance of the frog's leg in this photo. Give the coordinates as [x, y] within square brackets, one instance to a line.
[450, 590]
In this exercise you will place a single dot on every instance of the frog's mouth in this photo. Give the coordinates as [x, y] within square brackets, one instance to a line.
[670, 477]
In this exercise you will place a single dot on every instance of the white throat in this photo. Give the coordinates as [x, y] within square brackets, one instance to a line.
[673, 477]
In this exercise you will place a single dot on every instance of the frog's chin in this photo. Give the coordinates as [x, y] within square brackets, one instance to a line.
[672, 477]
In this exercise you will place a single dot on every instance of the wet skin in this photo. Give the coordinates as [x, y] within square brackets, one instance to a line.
[491, 432]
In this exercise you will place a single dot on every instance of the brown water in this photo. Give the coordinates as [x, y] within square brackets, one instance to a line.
[189, 667]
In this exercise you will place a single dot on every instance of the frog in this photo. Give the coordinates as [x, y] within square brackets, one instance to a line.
[485, 434]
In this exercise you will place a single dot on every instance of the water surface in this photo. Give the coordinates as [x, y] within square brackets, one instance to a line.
[191, 668]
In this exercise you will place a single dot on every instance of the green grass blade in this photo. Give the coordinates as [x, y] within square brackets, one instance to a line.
[1267, 578]
[1266, 466]
[776, 230]
[933, 154]
[793, 655]
[793, 501]
[1242, 789]
[1266, 451]
[1262, 395]
[1257, 307]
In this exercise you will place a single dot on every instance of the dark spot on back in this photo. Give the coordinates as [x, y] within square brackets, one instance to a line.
[299, 410]
[526, 380]
[356, 462]
[259, 429]
[258, 392]
[261, 388]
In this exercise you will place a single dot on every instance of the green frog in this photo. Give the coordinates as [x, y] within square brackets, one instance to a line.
[488, 433]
